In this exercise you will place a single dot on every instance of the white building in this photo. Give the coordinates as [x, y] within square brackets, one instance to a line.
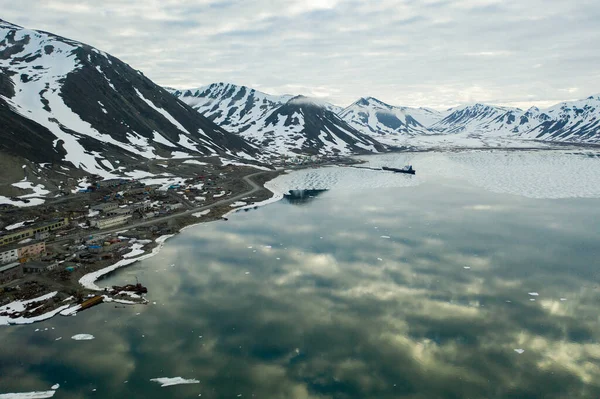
[8, 256]
[110, 222]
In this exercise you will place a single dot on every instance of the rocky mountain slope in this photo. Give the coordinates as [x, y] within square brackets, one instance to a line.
[569, 122]
[381, 119]
[68, 103]
[232, 107]
[278, 124]
[241, 109]
[303, 126]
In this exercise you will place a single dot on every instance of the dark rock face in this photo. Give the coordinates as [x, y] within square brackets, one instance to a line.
[321, 130]
[111, 109]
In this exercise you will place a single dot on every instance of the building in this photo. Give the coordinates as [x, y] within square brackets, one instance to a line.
[38, 267]
[23, 253]
[105, 207]
[10, 272]
[110, 222]
[42, 235]
[32, 231]
[9, 255]
[30, 251]
[172, 207]
[120, 211]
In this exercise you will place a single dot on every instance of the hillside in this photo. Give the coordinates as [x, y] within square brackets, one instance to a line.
[64, 102]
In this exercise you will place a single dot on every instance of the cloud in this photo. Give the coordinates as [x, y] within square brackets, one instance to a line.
[432, 53]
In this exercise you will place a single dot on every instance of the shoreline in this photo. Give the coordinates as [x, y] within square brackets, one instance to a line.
[88, 281]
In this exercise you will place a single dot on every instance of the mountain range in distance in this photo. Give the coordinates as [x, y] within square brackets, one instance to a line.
[244, 110]
[82, 111]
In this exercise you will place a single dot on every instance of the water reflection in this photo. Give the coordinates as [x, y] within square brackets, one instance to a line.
[419, 293]
[301, 197]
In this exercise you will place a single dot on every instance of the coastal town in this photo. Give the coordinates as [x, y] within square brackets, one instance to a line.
[49, 248]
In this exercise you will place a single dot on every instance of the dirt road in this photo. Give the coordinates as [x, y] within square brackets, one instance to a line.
[247, 179]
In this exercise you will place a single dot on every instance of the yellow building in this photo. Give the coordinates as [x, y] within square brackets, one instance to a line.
[31, 232]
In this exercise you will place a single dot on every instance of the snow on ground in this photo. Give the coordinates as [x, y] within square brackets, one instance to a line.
[19, 307]
[222, 193]
[28, 395]
[202, 213]
[167, 381]
[237, 203]
[38, 189]
[226, 162]
[159, 138]
[136, 250]
[17, 225]
[5, 320]
[194, 162]
[82, 337]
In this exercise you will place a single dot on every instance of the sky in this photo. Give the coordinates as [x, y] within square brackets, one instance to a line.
[433, 53]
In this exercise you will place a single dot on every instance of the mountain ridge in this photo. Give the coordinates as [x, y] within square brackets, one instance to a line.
[89, 110]
[569, 121]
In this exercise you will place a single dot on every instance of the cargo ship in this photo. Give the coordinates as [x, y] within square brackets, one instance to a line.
[408, 169]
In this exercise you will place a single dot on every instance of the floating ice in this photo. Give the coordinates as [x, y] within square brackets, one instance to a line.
[385, 236]
[519, 351]
[82, 337]
[534, 294]
[55, 386]
[28, 395]
[167, 382]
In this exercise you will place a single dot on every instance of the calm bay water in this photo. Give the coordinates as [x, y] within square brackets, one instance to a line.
[416, 292]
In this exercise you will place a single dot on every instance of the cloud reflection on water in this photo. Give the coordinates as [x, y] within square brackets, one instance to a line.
[328, 319]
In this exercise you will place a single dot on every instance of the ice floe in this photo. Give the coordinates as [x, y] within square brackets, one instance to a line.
[167, 381]
[28, 395]
[82, 337]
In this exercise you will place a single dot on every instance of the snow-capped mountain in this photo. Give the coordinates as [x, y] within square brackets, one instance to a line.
[230, 106]
[302, 125]
[573, 121]
[278, 124]
[475, 118]
[65, 102]
[377, 118]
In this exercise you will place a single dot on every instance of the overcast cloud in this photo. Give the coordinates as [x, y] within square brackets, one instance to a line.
[435, 53]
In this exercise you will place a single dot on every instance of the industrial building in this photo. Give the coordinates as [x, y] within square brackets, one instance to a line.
[105, 207]
[110, 222]
[31, 232]
[10, 272]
